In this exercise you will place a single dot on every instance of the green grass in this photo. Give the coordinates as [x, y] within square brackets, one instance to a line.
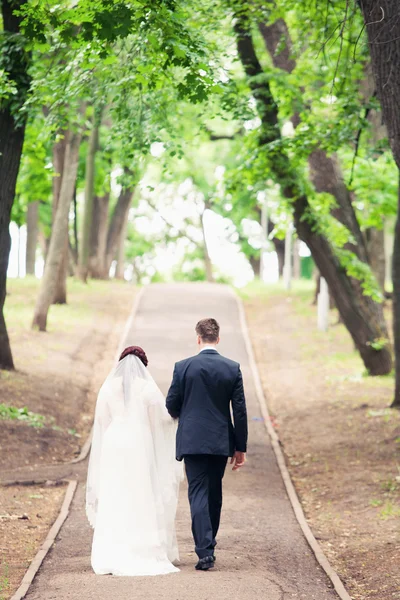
[302, 288]
[12, 413]
[375, 502]
[389, 510]
[4, 580]
[21, 299]
[301, 296]
[390, 485]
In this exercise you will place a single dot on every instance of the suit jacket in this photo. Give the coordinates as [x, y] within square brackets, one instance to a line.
[203, 389]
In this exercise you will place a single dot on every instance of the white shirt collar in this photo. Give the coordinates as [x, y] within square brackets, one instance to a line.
[208, 348]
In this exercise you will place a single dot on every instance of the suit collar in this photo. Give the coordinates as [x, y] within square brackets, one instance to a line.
[208, 351]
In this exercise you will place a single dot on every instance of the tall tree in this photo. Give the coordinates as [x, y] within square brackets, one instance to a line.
[60, 167]
[98, 241]
[376, 251]
[84, 255]
[207, 258]
[382, 23]
[33, 188]
[120, 268]
[15, 61]
[32, 231]
[325, 171]
[118, 219]
[59, 235]
[362, 316]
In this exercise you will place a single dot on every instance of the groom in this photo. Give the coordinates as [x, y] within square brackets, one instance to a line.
[203, 389]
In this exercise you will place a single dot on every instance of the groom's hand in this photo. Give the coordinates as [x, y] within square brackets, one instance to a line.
[238, 460]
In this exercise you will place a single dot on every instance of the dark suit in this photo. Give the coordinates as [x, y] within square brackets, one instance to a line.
[203, 390]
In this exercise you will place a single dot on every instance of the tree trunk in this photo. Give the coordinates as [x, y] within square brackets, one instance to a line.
[296, 259]
[279, 246]
[376, 250]
[137, 273]
[84, 253]
[32, 230]
[76, 241]
[362, 316]
[43, 244]
[207, 259]
[255, 263]
[72, 260]
[12, 130]
[277, 40]
[208, 266]
[382, 24]
[396, 305]
[59, 149]
[326, 175]
[280, 252]
[378, 129]
[120, 269]
[317, 288]
[389, 243]
[60, 293]
[117, 222]
[98, 238]
[59, 238]
[383, 29]
[59, 156]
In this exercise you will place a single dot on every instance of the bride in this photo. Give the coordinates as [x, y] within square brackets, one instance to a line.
[133, 478]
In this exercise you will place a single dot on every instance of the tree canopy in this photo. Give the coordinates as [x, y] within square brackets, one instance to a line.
[247, 101]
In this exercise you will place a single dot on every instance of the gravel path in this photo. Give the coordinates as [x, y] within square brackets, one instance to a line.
[261, 552]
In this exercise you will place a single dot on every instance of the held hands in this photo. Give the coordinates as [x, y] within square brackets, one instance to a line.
[238, 460]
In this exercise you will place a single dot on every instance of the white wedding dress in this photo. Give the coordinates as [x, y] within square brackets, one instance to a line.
[133, 478]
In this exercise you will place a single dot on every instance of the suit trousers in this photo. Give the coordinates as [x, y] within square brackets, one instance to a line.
[205, 473]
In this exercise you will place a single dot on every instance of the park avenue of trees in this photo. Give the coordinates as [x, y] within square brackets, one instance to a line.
[293, 102]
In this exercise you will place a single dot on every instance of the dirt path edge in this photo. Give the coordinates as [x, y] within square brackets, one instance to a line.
[47, 544]
[280, 459]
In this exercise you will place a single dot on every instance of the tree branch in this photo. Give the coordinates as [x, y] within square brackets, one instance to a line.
[180, 232]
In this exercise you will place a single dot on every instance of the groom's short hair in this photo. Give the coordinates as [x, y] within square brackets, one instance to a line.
[208, 330]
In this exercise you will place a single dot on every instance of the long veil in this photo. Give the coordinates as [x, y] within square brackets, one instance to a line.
[133, 477]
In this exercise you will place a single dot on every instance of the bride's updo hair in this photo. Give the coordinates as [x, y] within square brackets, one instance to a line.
[136, 351]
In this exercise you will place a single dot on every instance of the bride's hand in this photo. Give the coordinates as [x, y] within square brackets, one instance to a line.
[238, 460]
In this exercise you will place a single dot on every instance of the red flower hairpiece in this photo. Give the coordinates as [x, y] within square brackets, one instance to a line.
[136, 351]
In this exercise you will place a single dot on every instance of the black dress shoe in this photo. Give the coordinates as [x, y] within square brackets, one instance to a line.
[205, 563]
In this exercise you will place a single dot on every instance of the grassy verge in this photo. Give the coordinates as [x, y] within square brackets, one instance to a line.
[81, 297]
